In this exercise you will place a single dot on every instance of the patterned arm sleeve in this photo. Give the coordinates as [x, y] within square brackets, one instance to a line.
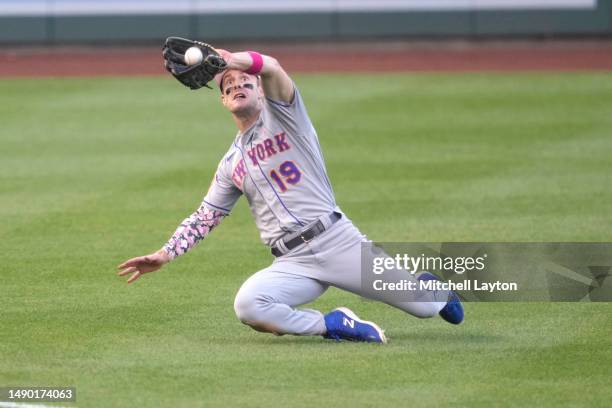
[193, 230]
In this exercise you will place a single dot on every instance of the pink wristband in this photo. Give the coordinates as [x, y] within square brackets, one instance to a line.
[257, 63]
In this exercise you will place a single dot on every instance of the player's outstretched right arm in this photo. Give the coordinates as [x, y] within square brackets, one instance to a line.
[191, 231]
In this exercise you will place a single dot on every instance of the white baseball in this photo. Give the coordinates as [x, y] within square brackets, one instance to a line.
[193, 56]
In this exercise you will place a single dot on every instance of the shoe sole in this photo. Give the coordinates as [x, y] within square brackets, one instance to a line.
[353, 316]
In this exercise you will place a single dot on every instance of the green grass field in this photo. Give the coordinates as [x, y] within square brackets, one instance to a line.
[94, 171]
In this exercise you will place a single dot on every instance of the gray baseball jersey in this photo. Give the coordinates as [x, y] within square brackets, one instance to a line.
[278, 165]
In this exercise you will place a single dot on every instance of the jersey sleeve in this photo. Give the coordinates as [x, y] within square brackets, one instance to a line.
[218, 202]
[292, 115]
[192, 230]
[222, 194]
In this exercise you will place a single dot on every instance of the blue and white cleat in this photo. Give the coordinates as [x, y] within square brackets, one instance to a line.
[343, 324]
[453, 311]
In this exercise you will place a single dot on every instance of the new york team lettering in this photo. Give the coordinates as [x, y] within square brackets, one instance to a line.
[281, 142]
[261, 152]
[239, 173]
[268, 148]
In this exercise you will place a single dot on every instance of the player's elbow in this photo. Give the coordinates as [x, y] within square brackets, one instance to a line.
[271, 65]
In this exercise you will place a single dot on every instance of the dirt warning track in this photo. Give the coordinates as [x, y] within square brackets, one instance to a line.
[391, 56]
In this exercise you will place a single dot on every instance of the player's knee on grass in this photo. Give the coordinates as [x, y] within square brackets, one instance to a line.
[244, 307]
[250, 310]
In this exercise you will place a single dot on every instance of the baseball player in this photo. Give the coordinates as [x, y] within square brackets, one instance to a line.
[275, 161]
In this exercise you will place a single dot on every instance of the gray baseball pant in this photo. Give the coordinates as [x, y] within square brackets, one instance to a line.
[267, 301]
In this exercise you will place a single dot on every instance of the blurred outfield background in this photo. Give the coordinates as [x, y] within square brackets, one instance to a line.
[481, 120]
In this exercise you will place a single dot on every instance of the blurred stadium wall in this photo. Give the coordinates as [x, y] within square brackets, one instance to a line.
[117, 21]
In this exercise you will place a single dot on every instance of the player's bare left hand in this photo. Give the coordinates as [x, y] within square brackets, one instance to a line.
[143, 264]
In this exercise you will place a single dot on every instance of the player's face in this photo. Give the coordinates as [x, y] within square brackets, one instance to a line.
[240, 91]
